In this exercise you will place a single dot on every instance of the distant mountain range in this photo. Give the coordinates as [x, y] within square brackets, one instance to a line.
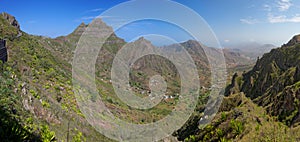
[38, 103]
[251, 50]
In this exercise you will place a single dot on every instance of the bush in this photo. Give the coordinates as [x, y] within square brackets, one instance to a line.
[78, 137]
[223, 116]
[237, 126]
[46, 134]
[45, 104]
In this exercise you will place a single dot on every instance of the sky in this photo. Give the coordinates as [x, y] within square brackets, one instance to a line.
[232, 21]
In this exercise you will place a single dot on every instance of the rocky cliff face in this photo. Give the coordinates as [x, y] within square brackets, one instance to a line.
[293, 41]
[3, 51]
[9, 27]
[274, 82]
[11, 19]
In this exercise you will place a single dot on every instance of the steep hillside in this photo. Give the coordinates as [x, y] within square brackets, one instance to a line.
[239, 119]
[3, 51]
[260, 105]
[37, 102]
[39, 76]
[63, 46]
[274, 82]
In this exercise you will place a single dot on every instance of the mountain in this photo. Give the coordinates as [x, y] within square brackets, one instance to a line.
[38, 73]
[37, 101]
[259, 105]
[232, 58]
[38, 76]
[295, 40]
[63, 47]
[251, 50]
[274, 81]
[236, 58]
[11, 20]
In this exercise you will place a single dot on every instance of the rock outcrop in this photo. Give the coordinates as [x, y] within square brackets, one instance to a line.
[295, 40]
[3, 51]
[11, 19]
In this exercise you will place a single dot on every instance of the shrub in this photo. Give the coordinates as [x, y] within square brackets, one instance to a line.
[45, 104]
[78, 137]
[46, 134]
[237, 127]
[220, 133]
[223, 116]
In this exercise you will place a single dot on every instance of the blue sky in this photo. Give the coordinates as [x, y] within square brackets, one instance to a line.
[233, 21]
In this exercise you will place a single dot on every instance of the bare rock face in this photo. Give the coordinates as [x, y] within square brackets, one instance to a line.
[79, 30]
[295, 40]
[3, 51]
[11, 19]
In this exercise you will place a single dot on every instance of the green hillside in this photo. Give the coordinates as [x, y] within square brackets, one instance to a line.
[38, 104]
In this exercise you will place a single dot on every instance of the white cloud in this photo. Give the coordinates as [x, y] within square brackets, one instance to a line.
[94, 10]
[226, 40]
[249, 20]
[267, 7]
[283, 19]
[284, 5]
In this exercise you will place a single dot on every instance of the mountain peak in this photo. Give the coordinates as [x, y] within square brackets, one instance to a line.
[82, 24]
[192, 41]
[295, 40]
[79, 30]
[191, 44]
[142, 40]
[81, 27]
[11, 19]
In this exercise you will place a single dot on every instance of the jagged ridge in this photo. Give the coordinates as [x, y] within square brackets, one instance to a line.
[274, 82]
